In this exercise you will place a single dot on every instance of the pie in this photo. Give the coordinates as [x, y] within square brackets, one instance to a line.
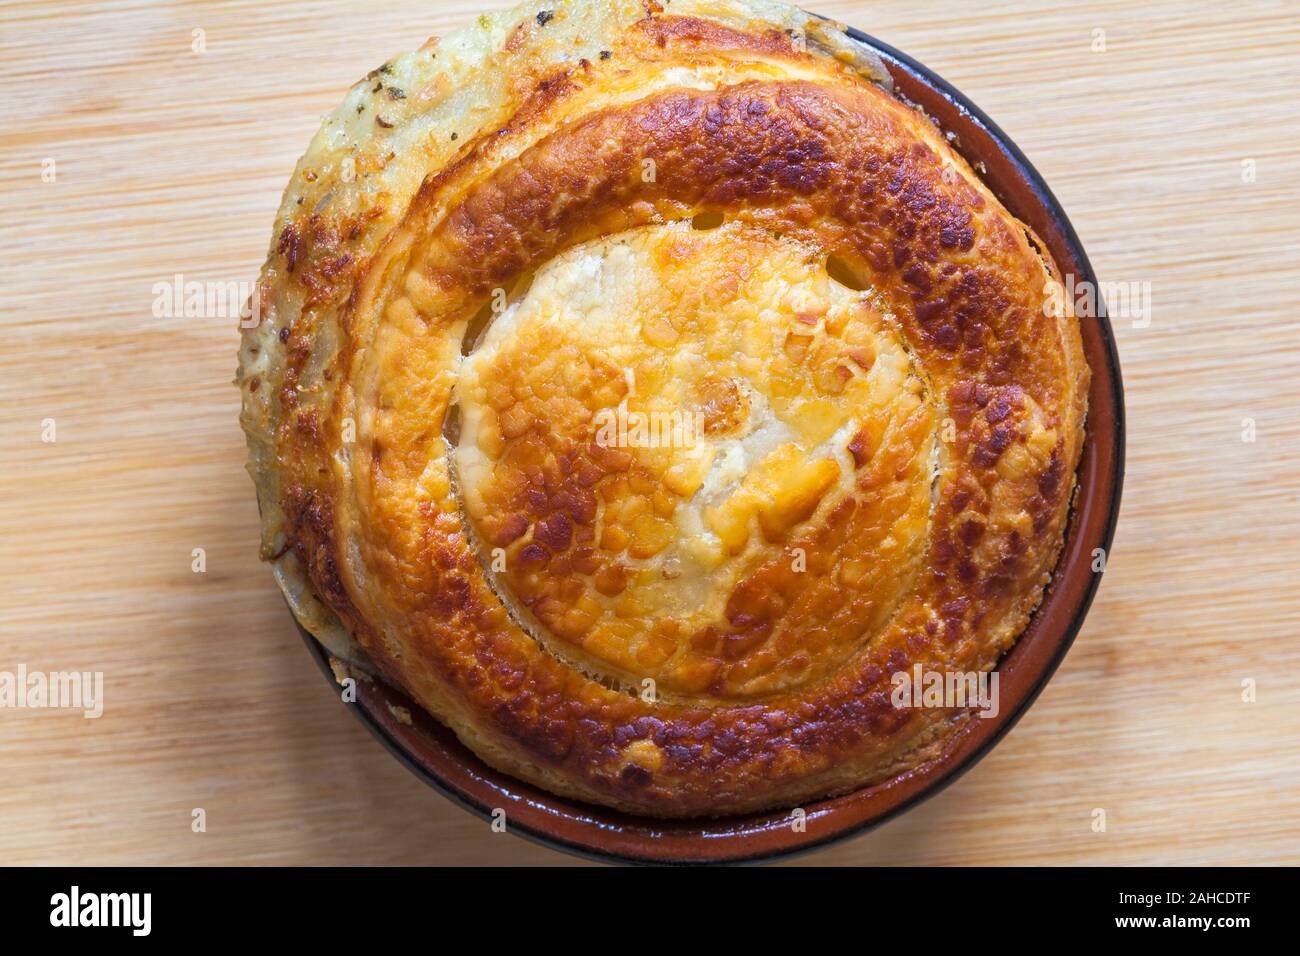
[642, 388]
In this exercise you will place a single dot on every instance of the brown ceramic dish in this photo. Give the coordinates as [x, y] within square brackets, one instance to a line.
[434, 754]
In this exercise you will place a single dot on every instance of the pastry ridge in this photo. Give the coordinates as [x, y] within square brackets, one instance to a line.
[568, 217]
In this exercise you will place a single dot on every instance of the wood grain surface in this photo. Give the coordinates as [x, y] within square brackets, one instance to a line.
[169, 161]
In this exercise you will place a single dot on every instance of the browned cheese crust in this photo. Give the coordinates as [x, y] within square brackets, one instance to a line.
[714, 217]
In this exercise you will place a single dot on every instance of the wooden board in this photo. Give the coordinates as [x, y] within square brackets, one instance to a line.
[172, 162]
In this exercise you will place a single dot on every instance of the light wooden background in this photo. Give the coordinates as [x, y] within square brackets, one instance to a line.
[169, 162]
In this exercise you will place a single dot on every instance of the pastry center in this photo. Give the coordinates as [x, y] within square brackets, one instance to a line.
[695, 465]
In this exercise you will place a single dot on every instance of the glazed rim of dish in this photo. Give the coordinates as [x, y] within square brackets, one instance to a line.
[433, 753]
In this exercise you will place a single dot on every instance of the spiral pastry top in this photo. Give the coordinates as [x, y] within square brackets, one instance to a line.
[642, 387]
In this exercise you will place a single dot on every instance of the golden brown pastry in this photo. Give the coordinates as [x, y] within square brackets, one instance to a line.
[641, 387]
